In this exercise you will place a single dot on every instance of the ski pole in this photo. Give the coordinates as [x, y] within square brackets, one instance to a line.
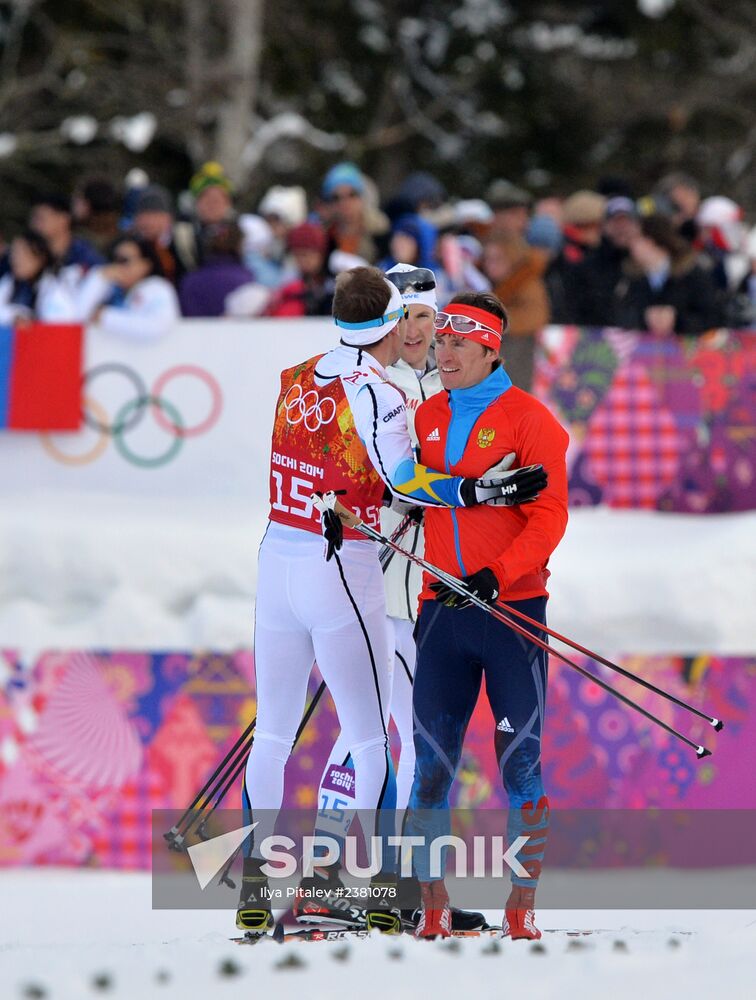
[224, 777]
[239, 764]
[174, 834]
[350, 519]
[225, 878]
[717, 724]
[386, 553]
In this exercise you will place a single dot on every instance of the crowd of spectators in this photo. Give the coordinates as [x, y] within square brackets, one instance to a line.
[670, 262]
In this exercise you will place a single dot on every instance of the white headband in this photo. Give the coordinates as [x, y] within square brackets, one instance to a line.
[373, 330]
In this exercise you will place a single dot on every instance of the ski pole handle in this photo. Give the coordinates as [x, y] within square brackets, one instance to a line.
[329, 501]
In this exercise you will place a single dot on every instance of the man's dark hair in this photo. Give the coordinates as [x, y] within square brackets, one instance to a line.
[662, 231]
[101, 195]
[39, 247]
[146, 250]
[361, 294]
[484, 300]
[222, 239]
[57, 202]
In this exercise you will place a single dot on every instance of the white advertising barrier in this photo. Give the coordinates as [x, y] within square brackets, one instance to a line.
[189, 416]
[129, 535]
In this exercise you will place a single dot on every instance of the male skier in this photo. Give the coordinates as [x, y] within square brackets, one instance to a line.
[501, 553]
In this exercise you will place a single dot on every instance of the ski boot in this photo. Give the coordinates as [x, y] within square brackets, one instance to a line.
[519, 915]
[253, 914]
[462, 920]
[321, 899]
[435, 912]
[382, 912]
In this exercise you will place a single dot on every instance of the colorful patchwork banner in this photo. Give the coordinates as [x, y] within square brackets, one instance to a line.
[90, 744]
[655, 422]
[40, 377]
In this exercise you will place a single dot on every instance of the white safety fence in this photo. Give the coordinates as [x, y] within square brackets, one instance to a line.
[129, 534]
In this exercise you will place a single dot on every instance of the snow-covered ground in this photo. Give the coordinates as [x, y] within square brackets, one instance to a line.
[81, 934]
[145, 573]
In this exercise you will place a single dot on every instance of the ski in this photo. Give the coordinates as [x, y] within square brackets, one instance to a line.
[280, 935]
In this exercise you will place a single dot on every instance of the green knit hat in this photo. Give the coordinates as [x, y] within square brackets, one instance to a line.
[210, 174]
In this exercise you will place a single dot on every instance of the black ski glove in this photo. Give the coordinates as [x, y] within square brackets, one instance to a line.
[332, 529]
[505, 489]
[482, 584]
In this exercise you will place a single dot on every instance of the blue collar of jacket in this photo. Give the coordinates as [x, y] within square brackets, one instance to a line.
[466, 406]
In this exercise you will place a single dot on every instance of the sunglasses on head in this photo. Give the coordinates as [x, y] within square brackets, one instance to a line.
[461, 324]
[420, 279]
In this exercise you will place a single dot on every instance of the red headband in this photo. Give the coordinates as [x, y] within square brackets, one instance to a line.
[492, 340]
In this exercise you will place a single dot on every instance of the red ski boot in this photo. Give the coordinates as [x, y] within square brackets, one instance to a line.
[519, 915]
[435, 912]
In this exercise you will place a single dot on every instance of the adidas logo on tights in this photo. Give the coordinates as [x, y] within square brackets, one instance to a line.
[504, 726]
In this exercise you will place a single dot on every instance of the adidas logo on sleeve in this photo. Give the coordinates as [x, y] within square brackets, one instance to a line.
[434, 435]
[504, 726]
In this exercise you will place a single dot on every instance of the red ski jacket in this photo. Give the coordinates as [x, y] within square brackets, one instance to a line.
[515, 542]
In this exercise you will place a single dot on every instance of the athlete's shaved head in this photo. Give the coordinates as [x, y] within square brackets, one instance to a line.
[361, 294]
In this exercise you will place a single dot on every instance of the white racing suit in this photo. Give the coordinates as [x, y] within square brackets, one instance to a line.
[402, 581]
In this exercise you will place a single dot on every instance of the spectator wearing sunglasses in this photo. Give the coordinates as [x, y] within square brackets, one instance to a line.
[129, 295]
[350, 212]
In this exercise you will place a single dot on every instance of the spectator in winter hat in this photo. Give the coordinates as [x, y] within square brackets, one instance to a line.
[413, 241]
[51, 217]
[511, 207]
[154, 222]
[204, 292]
[721, 235]
[129, 296]
[583, 217]
[96, 207]
[351, 213]
[473, 216]
[213, 194]
[515, 271]
[32, 289]
[664, 289]
[598, 274]
[310, 293]
[283, 208]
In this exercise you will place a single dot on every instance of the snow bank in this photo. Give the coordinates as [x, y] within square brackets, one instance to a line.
[148, 573]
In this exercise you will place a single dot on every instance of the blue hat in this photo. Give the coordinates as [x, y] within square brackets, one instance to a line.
[543, 231]
[343, 175]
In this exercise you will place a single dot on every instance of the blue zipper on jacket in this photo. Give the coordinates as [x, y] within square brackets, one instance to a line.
[466, 406]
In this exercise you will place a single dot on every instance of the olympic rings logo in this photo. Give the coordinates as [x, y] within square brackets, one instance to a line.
[308, 408]
[165, 414]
